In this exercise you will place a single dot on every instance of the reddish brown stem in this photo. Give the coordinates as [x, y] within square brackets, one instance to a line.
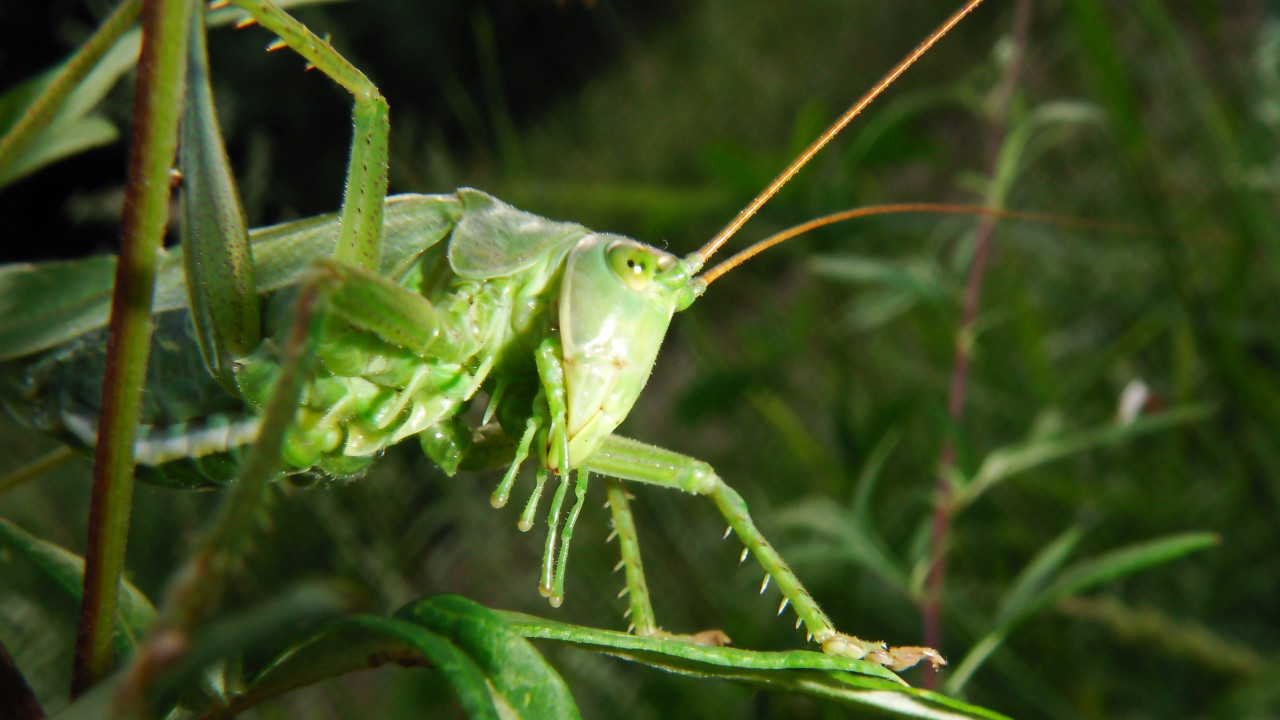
[943, 510]
[146, 209]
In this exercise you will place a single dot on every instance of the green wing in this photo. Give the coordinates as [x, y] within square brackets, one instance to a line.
[46, 304]
[494, 239]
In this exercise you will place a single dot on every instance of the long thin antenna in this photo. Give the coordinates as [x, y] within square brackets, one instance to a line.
[904, 208]
[706, 251]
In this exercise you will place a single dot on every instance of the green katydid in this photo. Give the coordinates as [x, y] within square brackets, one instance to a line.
[428, 301]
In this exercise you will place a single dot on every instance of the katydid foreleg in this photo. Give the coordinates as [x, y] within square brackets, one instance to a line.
[503, 492]
[555, 560]
[632, 460]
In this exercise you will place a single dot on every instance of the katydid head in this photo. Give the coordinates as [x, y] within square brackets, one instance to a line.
[616, 302]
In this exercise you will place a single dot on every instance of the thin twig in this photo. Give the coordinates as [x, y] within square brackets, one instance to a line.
[943, 509]
[197, 589]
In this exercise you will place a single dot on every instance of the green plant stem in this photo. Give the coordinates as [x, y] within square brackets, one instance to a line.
[198, 587]
[73, 71]
[944, 507]
[157, 105]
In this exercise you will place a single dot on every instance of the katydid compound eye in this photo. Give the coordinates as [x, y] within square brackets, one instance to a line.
[633, 264]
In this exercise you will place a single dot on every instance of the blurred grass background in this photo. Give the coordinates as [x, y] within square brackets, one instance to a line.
[822, 368]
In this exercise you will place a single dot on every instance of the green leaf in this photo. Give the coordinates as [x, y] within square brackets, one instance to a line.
[851, 682]
[72, 129]
[362, 642]
[1004, 463]
[522, 681]
[1036, 574]
[842, 537]
[848, 533]
[498, 674]
[1120, 563]
[895, 287]
[60, 141]
[66, 569]
[227, 642]
[912, 277]
[1022, 601]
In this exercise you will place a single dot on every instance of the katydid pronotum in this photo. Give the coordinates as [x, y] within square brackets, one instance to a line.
[428, 302]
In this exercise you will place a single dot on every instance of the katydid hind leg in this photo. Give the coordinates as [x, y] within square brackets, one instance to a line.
[638, 462]
[640, 609]
[360, 233]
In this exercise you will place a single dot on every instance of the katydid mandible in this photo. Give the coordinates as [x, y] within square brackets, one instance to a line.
[427, 302]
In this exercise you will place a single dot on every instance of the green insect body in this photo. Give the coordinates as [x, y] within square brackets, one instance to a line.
[610, 300]
[423, 302]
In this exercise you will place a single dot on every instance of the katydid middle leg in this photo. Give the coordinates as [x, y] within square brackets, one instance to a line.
[627, 459]
[640, 609]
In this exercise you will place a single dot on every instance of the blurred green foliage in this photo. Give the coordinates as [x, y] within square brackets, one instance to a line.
[814, 379]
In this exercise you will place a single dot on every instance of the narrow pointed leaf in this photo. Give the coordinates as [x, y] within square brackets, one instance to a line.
[253, 631]
[70, 129]
[1023, 602]
[362, 642]
[66, 569]
[843, 537]
[1121, 563]
[58, 142]
[1007, 462]
[1037, 573]
[521, 679]
[851, 682]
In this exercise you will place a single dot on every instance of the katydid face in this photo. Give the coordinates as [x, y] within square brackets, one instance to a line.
[616, 303]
